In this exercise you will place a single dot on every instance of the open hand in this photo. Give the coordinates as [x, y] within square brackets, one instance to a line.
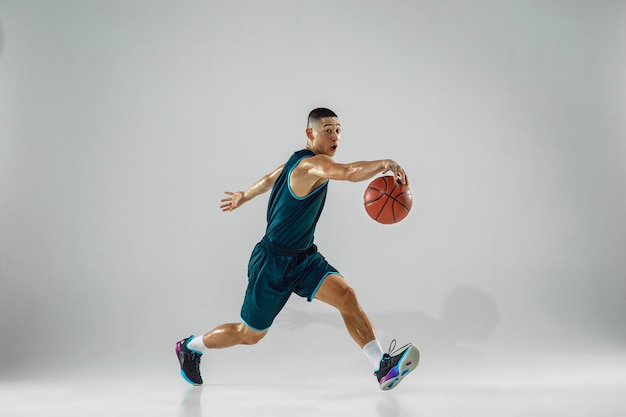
[235, 199]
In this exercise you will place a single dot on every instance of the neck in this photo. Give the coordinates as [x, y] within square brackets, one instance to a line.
[310, 148]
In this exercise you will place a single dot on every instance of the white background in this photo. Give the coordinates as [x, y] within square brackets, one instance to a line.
[122, 123]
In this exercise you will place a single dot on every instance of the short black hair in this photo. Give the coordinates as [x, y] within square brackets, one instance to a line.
[319, 113]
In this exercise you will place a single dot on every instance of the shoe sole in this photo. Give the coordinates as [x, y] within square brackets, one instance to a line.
[405, 366]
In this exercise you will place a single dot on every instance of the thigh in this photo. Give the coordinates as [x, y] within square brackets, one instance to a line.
[311, 274]
[265, 296]
[332, 290]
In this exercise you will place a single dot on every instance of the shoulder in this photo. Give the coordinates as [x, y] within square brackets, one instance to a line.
[308, 174]
[315, 160]
[316, 165]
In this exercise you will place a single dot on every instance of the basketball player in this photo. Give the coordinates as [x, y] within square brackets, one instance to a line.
[286, 261]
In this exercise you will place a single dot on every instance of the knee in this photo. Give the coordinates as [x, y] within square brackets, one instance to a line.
[249, 336]
[252, 339]
[348, 299]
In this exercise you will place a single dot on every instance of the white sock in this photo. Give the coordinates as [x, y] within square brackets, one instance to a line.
[374, 353]
[197, 344]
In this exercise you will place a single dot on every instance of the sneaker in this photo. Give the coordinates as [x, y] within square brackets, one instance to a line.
[189, 362]
[393, 368]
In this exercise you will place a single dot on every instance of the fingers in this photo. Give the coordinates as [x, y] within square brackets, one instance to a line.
[227, 204]
[230, 193]
[396, 169]
[405, 178]
[234, 200]
[398, 172]
[400, 175]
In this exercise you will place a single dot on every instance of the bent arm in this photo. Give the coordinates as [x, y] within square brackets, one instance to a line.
[263, 185]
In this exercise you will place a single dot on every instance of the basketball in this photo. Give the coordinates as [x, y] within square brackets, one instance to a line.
[387, 200]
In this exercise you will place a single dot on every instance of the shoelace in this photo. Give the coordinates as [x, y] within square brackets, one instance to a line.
[392, 348]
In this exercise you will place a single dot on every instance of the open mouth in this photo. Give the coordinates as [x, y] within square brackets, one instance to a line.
[334, 147]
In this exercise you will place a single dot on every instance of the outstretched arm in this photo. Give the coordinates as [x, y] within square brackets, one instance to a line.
[324, 166]
[263, 185]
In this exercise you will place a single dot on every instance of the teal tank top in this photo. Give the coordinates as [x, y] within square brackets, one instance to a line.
[291, 220]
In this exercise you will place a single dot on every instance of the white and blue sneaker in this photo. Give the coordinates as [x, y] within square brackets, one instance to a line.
[393, 368]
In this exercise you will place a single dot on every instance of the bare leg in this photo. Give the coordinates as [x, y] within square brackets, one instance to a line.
[336, 292]
[231, 334]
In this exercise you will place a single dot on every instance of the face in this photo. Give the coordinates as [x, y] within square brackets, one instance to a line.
[324, 136]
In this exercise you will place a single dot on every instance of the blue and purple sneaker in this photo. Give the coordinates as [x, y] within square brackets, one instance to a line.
[189, 362]
[393, 368]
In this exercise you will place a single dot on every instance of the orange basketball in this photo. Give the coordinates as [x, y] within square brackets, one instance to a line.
[387, 200]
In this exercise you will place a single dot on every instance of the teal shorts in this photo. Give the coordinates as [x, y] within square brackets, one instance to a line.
[274, 273]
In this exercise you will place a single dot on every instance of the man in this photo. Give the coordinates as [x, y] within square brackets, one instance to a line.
[286, 260]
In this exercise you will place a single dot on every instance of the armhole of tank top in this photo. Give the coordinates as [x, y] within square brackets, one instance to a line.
[289, 182]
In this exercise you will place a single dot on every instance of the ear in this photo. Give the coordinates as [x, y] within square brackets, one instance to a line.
[309, 133]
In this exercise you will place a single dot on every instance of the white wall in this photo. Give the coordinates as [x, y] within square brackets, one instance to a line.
[121, 123]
